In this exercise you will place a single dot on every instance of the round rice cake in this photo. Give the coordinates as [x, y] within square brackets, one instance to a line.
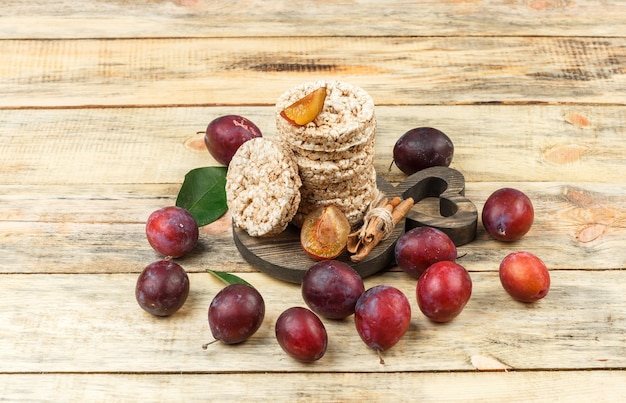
[263, 187]
[355, 152]
[346, 116]
[358, 184]
[316, 169]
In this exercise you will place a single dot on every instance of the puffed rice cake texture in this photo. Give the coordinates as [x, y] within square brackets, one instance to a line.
[263, 187]
[348, 111]
[334, 152]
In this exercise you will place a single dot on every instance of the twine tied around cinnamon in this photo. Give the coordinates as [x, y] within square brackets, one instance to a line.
[379, 221]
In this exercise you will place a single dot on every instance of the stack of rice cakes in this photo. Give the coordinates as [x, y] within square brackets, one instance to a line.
[335, 152]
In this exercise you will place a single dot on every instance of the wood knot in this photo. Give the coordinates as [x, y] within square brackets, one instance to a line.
[590, 233]
[564, 153]
[540, 5]
[196, 143]
[576, 120]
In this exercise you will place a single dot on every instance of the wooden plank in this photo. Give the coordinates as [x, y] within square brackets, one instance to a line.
[485, 387]
[577, 226]
[105, 248]
[100, 229]
[531, 92]
[185, 18]
[92, 323]
[395, 70]
[494, 143]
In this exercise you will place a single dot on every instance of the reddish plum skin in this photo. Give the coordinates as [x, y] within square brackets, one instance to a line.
[301, 334]
[422, 147]
[236, 313]
[172, 231]
[331, 288]
[420, 247]
[382, 316]
[524, 276]
[162, 288]
[508, 214]
[443, 291]
[225, 134]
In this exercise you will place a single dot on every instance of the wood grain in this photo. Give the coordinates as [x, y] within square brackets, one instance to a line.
[256, 70]
[214, 18]
[85, 229]
[92, 322]
[454, 214]
[64, 184]
[576, 227]
[481, 387]
[101, 108]
[492, 142]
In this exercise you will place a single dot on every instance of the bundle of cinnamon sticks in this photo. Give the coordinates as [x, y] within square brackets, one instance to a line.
[361, 242]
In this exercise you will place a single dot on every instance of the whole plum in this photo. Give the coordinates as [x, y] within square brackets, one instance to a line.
[508, 214]
[420, 247]
[162, 288]
[443, 291]
[524, 276]
[225, 134]
[382, 316]
[421, 148]
[331, 288]
[301, 334]
[172, 231]
[236, 313]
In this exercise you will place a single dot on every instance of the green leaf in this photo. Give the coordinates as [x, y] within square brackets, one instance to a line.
[203, 194]
[228, 278]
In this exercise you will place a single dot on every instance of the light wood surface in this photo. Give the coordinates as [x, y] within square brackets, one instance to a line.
[395, 70]
[100, 108]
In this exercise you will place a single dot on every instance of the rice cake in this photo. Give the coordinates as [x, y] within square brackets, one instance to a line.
[263, 187]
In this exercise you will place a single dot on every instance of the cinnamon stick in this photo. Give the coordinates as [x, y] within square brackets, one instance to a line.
[397, 215]
[402, 210]
[354, 242]
[376, 225]
[355, 238]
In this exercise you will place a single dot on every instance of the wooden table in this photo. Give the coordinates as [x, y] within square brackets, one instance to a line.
[101, 106]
